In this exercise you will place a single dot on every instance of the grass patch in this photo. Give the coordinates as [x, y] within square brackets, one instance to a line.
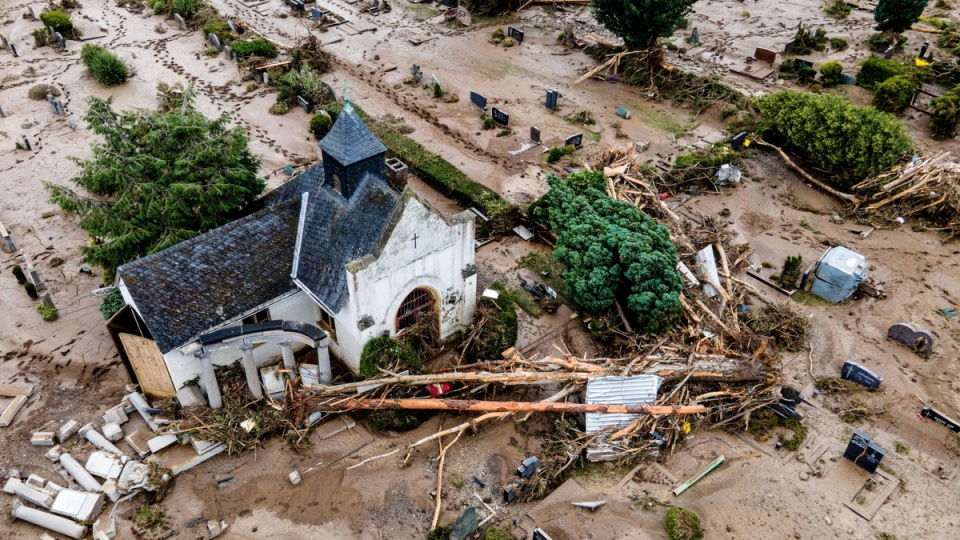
[661, 120]
[902, 448]
[546, 267]
[807, 298]
[150, 518]
[524, 300]
[765, 421]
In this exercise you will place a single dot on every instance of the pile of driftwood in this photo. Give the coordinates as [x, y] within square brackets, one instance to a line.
[927, 188]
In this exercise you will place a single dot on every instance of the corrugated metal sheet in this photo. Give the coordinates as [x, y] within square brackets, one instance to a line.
[636, 390]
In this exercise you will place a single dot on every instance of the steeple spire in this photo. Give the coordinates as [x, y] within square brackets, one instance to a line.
[346, 95]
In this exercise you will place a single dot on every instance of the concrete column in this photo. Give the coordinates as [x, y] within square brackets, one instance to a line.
[250, 369]
[76, 470]
[209, 380]
[323, 360]
[289, 361]
[49, 521]
[140, 403]
[90, 433]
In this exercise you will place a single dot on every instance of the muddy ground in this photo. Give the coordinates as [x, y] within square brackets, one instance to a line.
[759, 493]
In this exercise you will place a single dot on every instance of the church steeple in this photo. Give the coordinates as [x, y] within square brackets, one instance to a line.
[350, 151]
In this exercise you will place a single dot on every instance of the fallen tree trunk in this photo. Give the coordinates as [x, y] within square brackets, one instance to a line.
[705, 370]
[514, 406]
[845, 196]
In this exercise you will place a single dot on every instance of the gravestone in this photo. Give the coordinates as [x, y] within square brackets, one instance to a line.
[316, 14]
[298, 6]
[304, 104]
[864, 453]
[517, 35]
[416, 73]
[940, 418]
[227, 51]
[266, 78]
[449, 3]
[848, 79]
[765, 54]
[3, 113]
[552, 96]
[575, 140]
[233, 28]
[852, 371]
[921, 341]
[923, 50]
[31, 13]
[737, 141]
[214, 41]
[478, 100]
[888, 54]
[801, 63]
[180, 22]
[26, 143]
[13, 49]
[72, 123]
[57, 106]
[233, 56]
[500, 117]
[434, 81]
[4, 44]
[60, 41]
[694, 38]
[535, 134]
[788, 48]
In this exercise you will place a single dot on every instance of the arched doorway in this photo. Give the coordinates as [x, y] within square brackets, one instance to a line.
[418, 301]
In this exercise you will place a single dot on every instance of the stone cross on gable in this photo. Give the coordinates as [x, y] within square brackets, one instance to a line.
[346, 92]
[415, 237]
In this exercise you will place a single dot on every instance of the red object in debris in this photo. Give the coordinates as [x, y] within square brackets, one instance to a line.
[438, 389]
[664, 196]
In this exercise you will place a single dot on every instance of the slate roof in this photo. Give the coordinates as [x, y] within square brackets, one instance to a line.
[215, 277]
[304, 182]
[350, 141]
[337, 231]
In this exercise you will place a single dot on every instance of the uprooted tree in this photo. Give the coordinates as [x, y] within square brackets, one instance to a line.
[639, 23]
[847, 141]
[156, 180]
[898, 16]
[612, 251]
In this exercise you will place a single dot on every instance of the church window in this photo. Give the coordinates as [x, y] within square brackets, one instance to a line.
[417, 301]
[336, 184]
[261, 316]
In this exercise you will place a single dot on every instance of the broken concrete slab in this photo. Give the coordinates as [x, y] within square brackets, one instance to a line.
[160, 442]
[294, 477]
[111, 490]
[182, 458]
[190, 396]
[216, 528]
[105, 528]
[116, 415]
[78, 505]
[42, 438]
[67, 430]
[6, 418]
[112, 432]
[202, 447]
[97, 439]
[138, 440]
[104, 465]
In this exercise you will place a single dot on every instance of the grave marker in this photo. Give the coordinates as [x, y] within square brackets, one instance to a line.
[214, 41]
[800, 63]
[3, 113]
[57, 107]
[694, 38]
[26, 143]
[180, 22]
[266, 78]
[500, 117]
[316, 14]
[297, 6]
[233, 28]
[788, 48]
[765, 54]
[13, 49]
[304, 104]
[552, 96]
[72, 123]
[517, 35]
[416, 73]
[535, 134]
[4, 44]
[434, 81]
[478, 100]
[575, 140]
[60, 41]
[449, 3]
[31, 13]
[864, 453]
[888, 54]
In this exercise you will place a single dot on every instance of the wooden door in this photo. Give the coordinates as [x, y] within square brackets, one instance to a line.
[148, 364]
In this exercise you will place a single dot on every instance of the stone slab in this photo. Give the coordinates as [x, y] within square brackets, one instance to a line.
[138, 441]
[160, 442]
[6, 418]
[42, 438]
[112, 432]
[67, 430]
[182, 458]
[116, 415]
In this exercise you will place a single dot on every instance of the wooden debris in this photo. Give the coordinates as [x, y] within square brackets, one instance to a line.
[513, 406]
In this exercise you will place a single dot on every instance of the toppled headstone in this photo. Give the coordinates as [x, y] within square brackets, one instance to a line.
[115, 415]
[67, 430]
[295, 478]
[180, 22]
[112, 432]
[921, 341]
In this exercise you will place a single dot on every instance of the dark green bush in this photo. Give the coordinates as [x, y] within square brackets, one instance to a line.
[838, 44]
[187, 8]
[838, 9]
[48, 313]
[442, 532]
[59, 21]
[946, 115]
[258, 47]
[488, 123]
[219, 28]
[106, 68]
[830, 74]
[41, 37]
[874, 71]
[790, 272]
[31, 290]
[389, 354]
[555, 154]
[806, 42]
[682, 524]
[878, 43]
[846, 140]
[806, 75]
[894, 94]
[320, 125]
[18, 273]
[111, 304]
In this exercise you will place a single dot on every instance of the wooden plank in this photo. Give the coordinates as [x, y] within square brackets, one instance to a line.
[14, 391]
[697, 477]
[12, 409]
[766, 281]
[268, 66]
[148, 364]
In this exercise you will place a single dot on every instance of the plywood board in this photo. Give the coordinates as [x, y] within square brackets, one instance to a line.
[148, 364]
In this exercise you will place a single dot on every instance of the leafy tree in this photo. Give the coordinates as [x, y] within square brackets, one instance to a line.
[389, 354]
[874, 71]
[320, 124]
[111, 304]
[946, 115]
[156, 180]
[898, 15]
[848, 141]
[612, 251]
[639, 23]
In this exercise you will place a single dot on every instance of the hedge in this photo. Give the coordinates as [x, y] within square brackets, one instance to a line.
[59, 21]
[105, 67]
[874, 71]
[258, 47]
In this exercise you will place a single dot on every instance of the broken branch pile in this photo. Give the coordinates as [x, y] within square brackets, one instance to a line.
[928, 188]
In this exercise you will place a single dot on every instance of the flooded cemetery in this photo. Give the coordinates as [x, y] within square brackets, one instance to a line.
[481, 269]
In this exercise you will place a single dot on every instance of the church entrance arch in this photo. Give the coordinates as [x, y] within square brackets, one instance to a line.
[419, 301]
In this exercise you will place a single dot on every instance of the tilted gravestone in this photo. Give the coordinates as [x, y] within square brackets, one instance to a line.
[478, 100]
[800, 63]
[500, 117]
[60, 41]
[57, 107]
[517, 35]
[233, 27]
[180, 22]
[888, 54]
[72, 123]
[297, 6]
[788, 48]
[3, 113]
[534, 134]
[575, 140]
[694, 38]
[13, 49]
[552, 96]
[214, 41]
[416, 73]
[920, 341]
[4, 44]
[765, 54]
[31, 13]
[434, 81]
[304, 104]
